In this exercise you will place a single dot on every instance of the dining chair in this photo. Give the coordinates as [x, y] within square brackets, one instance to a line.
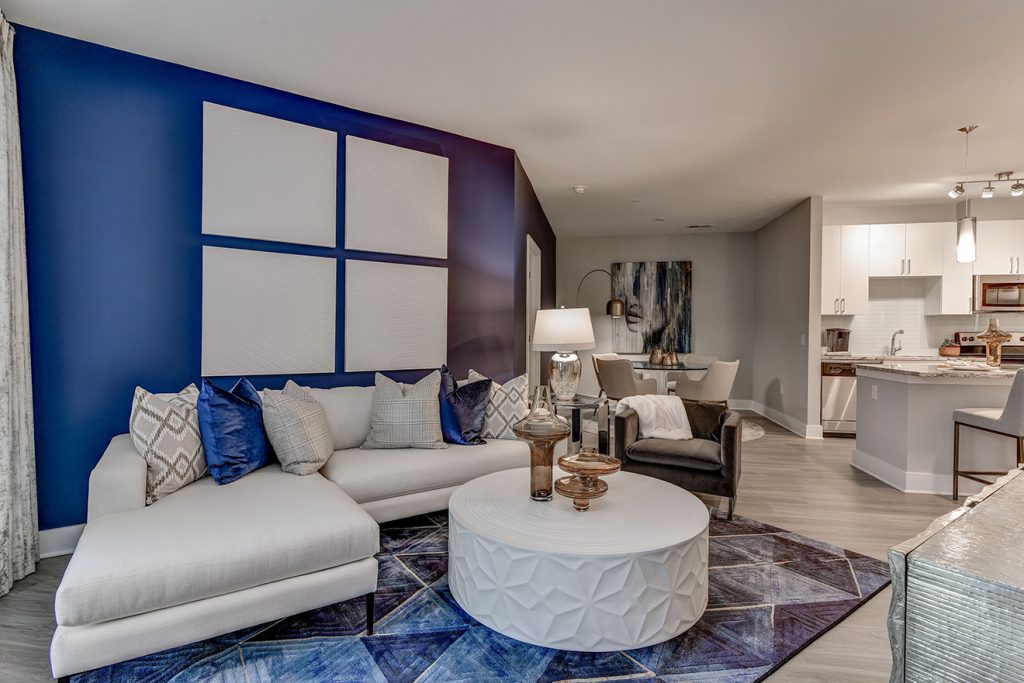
[618, 379]
[692, 360]
[1007, 421]
[714, 387]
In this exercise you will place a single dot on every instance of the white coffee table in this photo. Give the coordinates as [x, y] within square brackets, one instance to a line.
[631, 571]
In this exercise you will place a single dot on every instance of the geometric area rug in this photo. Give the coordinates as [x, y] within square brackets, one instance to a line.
[770, 594]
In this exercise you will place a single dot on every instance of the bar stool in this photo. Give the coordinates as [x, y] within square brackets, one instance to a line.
[1008, 422]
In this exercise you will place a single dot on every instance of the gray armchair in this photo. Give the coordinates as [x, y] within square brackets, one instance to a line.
[709, 463]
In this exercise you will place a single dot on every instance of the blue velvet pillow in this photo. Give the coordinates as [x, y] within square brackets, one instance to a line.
[231, 423]
[463, 409]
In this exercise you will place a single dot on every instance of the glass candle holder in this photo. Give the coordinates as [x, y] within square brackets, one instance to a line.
[541, 429]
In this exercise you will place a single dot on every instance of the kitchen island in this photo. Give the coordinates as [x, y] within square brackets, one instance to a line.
[905, 424]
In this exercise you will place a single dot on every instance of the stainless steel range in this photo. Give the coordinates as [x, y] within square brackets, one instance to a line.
[971, 347]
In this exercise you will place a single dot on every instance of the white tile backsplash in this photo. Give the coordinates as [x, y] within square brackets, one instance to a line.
[898, 303]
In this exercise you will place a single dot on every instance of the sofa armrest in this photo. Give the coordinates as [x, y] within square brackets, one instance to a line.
[627, 431]
[732, 446]
[118, 482]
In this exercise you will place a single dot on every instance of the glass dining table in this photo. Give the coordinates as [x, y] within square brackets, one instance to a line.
[660, 372]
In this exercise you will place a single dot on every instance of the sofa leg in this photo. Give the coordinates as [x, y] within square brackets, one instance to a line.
[732, 506]
[369, 614]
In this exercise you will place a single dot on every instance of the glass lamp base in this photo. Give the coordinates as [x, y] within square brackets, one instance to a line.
[564, 373]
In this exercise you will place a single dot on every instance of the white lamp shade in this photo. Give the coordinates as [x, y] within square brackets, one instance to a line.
[966, 240]
[563, 329]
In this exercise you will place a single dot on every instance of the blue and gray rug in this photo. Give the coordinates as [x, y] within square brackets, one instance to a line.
[771, 592]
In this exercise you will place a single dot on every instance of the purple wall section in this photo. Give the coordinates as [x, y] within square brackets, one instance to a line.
[112, 149]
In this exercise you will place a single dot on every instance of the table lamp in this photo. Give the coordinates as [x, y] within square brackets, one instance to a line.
[564, 331]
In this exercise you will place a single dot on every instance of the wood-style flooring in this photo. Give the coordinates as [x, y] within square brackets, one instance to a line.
[805, 486]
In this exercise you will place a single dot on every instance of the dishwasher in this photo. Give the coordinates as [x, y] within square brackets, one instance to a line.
[839, 398]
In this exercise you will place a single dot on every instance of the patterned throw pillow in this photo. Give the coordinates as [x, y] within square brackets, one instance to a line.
[509, 404]
[166, 435]
[298, 430]
[406, 415]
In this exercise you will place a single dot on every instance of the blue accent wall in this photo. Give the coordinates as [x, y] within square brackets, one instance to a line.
[112, 155]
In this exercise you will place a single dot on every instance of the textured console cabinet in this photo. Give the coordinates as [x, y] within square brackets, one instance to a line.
[957, 611]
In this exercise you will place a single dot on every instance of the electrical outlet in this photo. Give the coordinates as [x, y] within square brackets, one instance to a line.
[874, 392]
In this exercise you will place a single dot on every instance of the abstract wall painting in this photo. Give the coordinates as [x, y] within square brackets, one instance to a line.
[659, 308]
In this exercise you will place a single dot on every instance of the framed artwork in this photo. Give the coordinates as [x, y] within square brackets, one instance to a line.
[266, 313]
[396, 316]
[265, 178]
[659, 308]
[396, 199]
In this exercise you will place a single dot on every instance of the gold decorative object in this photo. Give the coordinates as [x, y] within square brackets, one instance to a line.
[671, 358]
[994, 338]
[584, 484]
[656, 356]
[542, 429]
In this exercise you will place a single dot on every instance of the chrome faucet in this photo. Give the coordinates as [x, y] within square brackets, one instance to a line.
[893, 349]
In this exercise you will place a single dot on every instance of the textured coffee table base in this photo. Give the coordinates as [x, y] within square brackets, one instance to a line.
[579, 601]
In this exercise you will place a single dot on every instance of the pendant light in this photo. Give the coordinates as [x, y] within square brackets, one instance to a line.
[966, 227]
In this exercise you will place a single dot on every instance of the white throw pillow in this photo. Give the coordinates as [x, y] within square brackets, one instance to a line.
[348, 413]
[509, 404]
[406, 415]
[297, 427]
[166, 434]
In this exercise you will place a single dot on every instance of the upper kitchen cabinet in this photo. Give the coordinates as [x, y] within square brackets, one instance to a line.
[905, 249]
[1000, 247]
[952, 293]
[844, 269]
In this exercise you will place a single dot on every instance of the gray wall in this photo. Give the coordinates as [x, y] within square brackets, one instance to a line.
[787, 321]
[723, 289]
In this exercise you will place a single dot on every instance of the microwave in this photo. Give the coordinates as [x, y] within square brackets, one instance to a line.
[999, 293]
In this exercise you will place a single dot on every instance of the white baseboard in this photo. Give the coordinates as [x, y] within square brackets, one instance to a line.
[785, 421]
[911, 482]
[60, 541]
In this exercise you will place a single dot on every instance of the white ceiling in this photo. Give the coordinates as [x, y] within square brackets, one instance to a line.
[710, 111]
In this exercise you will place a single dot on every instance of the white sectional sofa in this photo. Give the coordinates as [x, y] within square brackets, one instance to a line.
[208, 559]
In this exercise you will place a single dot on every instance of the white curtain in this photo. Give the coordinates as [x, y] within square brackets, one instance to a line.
[19, 521]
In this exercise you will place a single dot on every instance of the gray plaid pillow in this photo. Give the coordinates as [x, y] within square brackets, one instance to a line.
[298, 430]
[406, 415]
[509, 404]
[166, 435]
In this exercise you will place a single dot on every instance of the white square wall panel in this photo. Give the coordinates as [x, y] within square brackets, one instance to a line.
[268, 314]
[396, 316]
[396, 199]
[269, 179]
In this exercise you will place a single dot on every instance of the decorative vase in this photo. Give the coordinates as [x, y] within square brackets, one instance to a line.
[586, 468]
[994, 338]
[670, 358]
[542, 429]
[656, 356]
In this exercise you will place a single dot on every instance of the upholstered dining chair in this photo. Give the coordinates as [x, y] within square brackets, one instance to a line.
[618, 380]
[714, 387]
[1008, 421]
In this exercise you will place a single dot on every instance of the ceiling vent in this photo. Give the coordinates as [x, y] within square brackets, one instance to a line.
[700, 226]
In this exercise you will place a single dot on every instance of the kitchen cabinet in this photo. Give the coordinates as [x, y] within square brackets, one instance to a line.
[952, 293]
[1000, 246]
[844, 269]
[905, 249]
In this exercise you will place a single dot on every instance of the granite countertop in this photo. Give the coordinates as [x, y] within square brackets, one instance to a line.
[877, 358]
[935, 370]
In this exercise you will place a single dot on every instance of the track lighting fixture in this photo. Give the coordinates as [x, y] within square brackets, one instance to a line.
[989, 191]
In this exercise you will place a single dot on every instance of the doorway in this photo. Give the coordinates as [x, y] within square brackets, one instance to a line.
[534, 259]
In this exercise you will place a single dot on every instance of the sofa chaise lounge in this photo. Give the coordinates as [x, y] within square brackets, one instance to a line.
[208, 560]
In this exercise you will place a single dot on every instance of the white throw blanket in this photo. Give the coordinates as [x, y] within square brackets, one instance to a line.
[661, 417]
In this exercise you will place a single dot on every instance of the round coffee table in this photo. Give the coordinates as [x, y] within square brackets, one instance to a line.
[629, 572]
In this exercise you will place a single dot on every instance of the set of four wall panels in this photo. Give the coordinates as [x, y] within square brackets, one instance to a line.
[267, 312]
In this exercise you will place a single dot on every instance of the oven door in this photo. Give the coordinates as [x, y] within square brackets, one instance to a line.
[998, 293]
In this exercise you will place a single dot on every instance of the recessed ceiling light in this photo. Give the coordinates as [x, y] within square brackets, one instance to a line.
[579, 189]
[636, 201]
